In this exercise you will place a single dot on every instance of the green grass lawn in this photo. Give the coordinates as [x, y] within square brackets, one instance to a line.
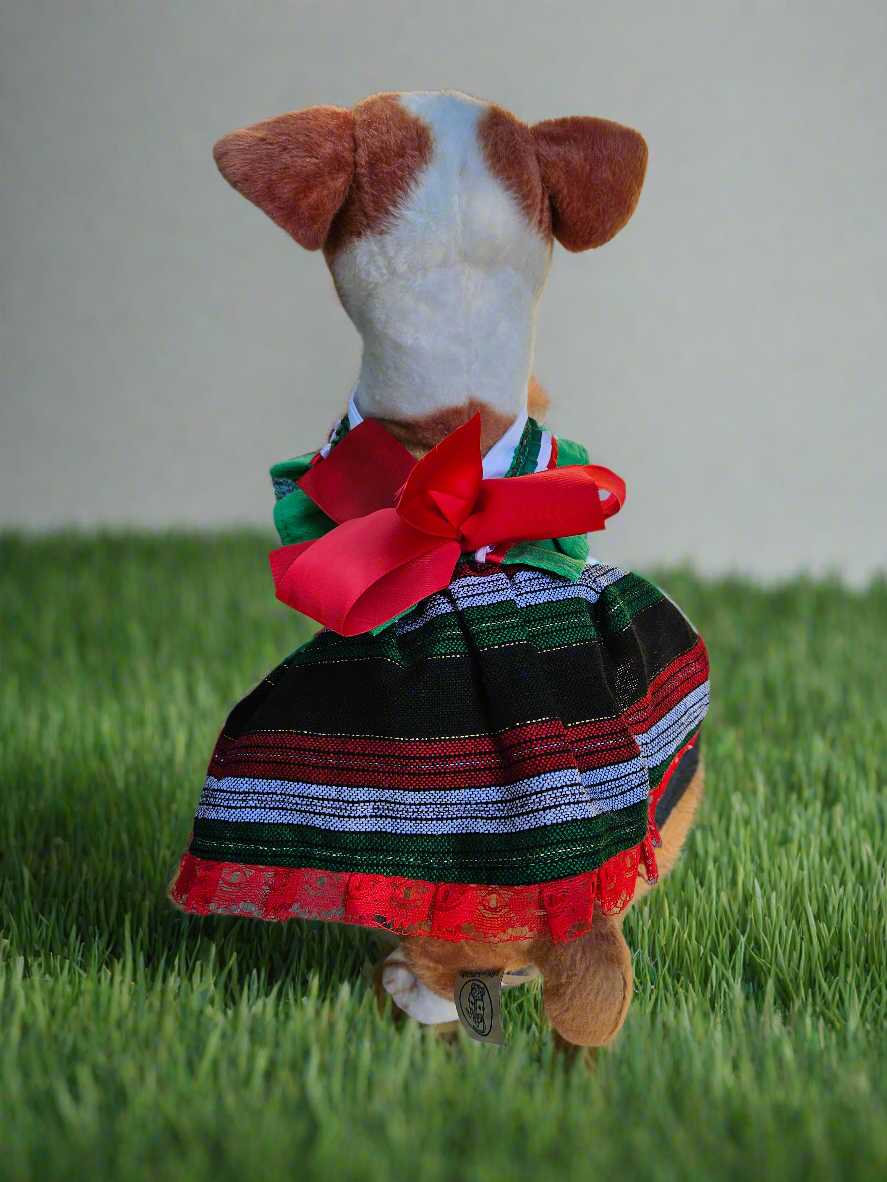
[139, 1043]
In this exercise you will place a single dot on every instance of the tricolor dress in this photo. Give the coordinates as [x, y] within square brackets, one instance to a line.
[489, 765]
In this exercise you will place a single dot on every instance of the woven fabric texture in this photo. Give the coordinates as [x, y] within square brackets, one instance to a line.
[484, 768]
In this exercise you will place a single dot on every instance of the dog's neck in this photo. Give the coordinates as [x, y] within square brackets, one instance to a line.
[497, 457]
[439, 348]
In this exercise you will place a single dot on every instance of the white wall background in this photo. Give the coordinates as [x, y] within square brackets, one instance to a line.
[163, 343]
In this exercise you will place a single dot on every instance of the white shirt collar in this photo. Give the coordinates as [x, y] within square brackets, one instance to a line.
[498, 459]
[355, 418]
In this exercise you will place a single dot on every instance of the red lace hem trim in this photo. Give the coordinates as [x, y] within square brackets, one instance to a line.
[560, 910]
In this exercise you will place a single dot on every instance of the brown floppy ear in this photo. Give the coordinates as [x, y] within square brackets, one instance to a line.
[296, 167]
[593, 171]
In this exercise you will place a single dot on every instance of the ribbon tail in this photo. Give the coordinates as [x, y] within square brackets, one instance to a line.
[282, 559]
[363, 573]
[403, 587]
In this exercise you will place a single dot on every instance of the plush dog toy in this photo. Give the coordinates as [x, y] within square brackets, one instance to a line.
[479, 750]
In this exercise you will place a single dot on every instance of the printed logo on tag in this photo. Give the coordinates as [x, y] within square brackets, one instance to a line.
[476, 995]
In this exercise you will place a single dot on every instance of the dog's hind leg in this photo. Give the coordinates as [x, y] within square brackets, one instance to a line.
[588, 983]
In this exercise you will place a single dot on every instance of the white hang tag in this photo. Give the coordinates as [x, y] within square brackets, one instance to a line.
[476, 995]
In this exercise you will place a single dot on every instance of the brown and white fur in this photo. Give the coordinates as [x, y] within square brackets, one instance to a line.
[436, 213]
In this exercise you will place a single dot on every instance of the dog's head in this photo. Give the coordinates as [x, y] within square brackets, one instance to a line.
[436, 213]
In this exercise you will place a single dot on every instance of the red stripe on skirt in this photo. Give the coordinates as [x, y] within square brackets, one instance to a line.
[560, 910]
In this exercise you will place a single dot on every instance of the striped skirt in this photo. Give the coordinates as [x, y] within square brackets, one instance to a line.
[487, 767]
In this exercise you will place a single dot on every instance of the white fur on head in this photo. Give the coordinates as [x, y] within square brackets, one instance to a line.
[445, 295]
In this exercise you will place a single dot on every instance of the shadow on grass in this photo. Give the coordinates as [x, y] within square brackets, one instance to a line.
[92, 891]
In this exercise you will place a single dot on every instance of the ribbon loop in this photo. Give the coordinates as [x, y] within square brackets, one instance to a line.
[402, 524]
[610, 483]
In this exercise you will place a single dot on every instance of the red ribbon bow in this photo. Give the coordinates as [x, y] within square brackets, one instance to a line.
[402, 524]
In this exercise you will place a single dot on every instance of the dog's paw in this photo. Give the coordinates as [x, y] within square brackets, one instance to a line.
[410, 995]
